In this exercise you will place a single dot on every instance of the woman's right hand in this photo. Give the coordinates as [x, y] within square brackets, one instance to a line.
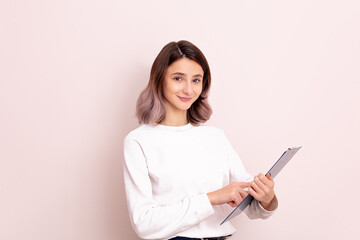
[232, 194]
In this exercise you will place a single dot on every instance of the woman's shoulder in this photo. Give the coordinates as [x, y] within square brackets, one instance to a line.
[138, 132]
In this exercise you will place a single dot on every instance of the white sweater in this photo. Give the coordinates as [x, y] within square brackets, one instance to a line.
[168, 171]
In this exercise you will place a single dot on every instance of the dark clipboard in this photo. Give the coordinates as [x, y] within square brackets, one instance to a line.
[274, 170]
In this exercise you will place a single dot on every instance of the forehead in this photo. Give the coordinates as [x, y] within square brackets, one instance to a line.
[185, 65]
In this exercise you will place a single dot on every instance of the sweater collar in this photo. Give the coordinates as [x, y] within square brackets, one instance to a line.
[174, 128]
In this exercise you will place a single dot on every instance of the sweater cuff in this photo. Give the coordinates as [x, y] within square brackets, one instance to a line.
[263, 211]
[203, 206]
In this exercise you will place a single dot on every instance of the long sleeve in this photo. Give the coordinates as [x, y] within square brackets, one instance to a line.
[239, 174]
[150, 219]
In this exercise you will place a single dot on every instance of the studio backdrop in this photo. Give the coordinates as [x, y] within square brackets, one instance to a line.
[284, 73]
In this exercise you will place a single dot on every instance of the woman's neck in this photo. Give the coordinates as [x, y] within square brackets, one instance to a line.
[178, 118]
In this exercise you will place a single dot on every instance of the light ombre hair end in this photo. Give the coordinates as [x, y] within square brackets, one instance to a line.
[150, 106]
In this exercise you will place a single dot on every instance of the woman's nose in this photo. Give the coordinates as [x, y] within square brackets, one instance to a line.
[187, 88]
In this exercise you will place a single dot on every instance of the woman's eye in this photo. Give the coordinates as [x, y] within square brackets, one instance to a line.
[177, 78]
[197, 80]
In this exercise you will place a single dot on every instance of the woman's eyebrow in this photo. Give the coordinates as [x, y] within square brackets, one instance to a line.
[183, 74]
[179, 73]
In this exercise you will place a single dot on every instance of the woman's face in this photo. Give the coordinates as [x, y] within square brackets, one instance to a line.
[182, 84]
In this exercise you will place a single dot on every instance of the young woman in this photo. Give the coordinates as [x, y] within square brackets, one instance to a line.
[179, 173]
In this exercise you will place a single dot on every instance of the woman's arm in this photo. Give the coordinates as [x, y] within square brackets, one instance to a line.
[150, 219]
[232, 194]
[261, 187]
[235, 192]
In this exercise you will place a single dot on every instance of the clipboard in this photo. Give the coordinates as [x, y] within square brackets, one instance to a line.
[274, 170]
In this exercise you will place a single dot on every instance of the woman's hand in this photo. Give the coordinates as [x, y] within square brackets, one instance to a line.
[262, 189]
[232, 194]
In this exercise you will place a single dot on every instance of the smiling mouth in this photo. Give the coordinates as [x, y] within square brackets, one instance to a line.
[184, 99]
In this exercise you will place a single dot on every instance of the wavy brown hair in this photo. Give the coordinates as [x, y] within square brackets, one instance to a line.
[150, 106]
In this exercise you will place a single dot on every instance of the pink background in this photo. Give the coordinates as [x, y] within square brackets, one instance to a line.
[285, 73]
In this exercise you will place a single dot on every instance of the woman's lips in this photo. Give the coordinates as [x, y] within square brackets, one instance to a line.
[184, 99]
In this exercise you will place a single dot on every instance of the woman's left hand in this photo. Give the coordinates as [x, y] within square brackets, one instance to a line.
[262, 189]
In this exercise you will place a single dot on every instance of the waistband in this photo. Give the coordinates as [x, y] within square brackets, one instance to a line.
[210, 238]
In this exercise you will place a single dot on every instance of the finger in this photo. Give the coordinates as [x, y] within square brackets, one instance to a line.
[264, 179]
[244, 184]
[238, 200]
[259, 182]
[269, 177]
[253, 193]
[267, 191]
[255, 187]
[236, 197]
[243, 194]
[232, 204]
[269, 183]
